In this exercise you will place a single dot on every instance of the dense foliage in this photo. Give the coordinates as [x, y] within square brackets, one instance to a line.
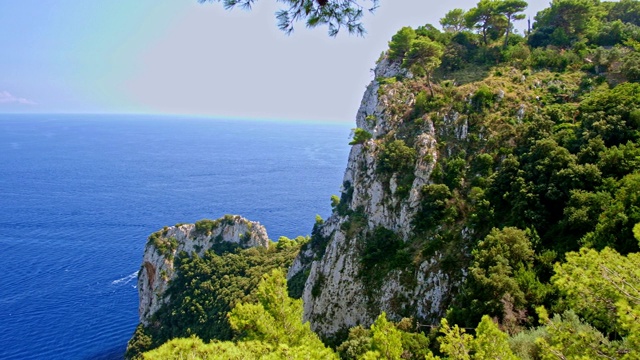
[538, 147]
[206, 289]
[270, 325]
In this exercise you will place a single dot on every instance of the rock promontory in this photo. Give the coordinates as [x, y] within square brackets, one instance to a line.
[164, 246]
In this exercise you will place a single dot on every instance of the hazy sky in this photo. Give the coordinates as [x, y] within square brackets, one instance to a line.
[182, 57]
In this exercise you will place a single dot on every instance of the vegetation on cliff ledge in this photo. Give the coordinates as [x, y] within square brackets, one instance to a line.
[206, 289]
[538, 150]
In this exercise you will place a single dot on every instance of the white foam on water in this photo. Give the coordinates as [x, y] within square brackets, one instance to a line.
[125, 280]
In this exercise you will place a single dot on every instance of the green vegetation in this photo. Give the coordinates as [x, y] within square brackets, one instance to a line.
[538, 156]
[269, 327]
[383, 251]
[385, 340]
[396, 158]
[360, 136]
[423, 57]
[206, 226]
[538, 150]
[533, 205]
[401, 42]
[165, 246]
[208, 287]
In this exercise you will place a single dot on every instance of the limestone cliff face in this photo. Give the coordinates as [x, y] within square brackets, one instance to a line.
[335, 295]
[163, 246]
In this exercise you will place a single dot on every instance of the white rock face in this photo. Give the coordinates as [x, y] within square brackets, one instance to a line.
[340, 298]
[334, 295]
[157, 264]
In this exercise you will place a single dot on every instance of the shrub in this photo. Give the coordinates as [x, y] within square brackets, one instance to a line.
[434, 204]
[396, 156]
[483, 98]
[335, 201]
[164, 246]
[380, 246]
[422, 104]
[360, 136]
[206, 226]
[454, 56]
[400, 43]
[386, 81]
[517, 54]
[631, 67]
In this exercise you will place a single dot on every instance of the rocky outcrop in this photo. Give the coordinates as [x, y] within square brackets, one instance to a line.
[335, 295]
[164, 246]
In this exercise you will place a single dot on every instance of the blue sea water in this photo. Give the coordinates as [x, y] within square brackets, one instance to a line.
[79, 194]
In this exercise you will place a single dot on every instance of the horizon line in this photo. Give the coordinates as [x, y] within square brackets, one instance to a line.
[193, 116]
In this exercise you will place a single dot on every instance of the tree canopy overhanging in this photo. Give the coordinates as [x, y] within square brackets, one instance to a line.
[335, 14]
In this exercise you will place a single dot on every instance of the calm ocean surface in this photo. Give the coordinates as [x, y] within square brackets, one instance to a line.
[79, 194]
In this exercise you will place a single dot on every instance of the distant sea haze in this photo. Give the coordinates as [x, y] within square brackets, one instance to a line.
[79, 194]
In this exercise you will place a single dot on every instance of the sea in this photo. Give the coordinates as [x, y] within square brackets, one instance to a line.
[80, 194]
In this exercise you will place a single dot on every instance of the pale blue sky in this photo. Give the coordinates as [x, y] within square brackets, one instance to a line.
[181, 57]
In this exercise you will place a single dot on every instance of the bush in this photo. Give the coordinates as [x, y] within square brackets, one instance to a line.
[454, 57]
[631, 67]
[383, 251]
[380, 246]
[360, 136]
[422, 104]
[517, 54]
[551, 59]
[206, 226]
[396, 156]
[483, 98]
[434, 204]
[400, 43]
[335, 201]
[164, 246]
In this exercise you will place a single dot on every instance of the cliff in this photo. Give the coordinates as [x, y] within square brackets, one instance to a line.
[507, 160]
[158, 267]
[337, 294]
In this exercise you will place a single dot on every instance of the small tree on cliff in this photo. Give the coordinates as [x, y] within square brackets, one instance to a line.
[453, 21]
[423, 57]
[482, 17]
[511, 9]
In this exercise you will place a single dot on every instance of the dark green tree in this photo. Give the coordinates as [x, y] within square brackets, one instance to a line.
[401, 42]
[483, 17]
[564, 22]
[511, 9]
[453, 21]
[423, 58]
